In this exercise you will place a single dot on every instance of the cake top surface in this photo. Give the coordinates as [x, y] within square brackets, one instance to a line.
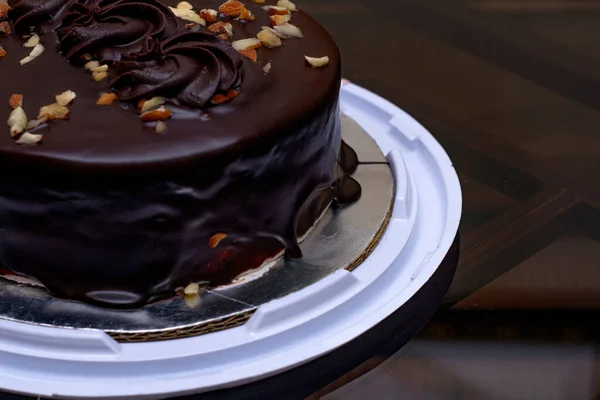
[150, 52]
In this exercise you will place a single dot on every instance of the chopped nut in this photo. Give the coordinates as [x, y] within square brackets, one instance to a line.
[272, 10]
[5, 28]
[34, 123]
[29, 138]
[267, 68]
[191, 289]
[268, 38]
[65, 98]
[246, 15]
[221, 27]
[17, 121]
[222, 98]
[161, 127]
[209, 15]
[188, 15]
[4, 9]
[280, 19]
[216, 239]
[3, 52]
[252, 43]
[91, 65]
[100, 68]
[35, 52]
[289, 30]
[191, 26]
[159, 114]
[33, 41]
[317, 62]
[184, 5]
[106, 99]
[287, 4]
[259, 1]
[16, 100]
[250, 53]
[98, 76]
[54, 111]
[231, 8]
[152, 103]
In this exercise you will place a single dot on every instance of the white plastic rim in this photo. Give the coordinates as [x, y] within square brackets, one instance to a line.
[68, 363]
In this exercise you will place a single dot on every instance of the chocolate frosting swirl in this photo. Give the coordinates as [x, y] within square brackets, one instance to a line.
[35, 13]
[190, 68]
[108, 29]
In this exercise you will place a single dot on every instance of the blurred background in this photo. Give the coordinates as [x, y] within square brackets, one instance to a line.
[511, 88]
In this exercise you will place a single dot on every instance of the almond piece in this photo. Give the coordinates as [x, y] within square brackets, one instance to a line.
[268, 38]
[251, 43]
[91, 65]
[35, 52]
[188, 15]
[159, 114]
[184, 5]
[17, 121]
[3, 52]
[246, 15]
[33, 41]
[161, 127]
[4, 9]
[65, 98]
[106, 99]
[54, 111]
[100, 68]
[222, 98]
[317, 62]
[272, 10]
[231, 8]
[5, 28]
[280, 19]
[209, 15]
[221, 27]
[191, 289]
[34, 123]
[250, 53]
[216, 239]
[267, 68]
[287, 4]
[29, 138]
[152, 103]
[16, 100]
[289, 30]
[98, 76]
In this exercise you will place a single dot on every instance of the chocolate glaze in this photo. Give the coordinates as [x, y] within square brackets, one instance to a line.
[106, 211]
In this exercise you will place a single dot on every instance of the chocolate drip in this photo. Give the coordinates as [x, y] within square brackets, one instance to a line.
[346, 190]
[189, 68]
[108, 29]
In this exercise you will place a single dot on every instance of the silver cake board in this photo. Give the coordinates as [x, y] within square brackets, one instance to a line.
[341, 239]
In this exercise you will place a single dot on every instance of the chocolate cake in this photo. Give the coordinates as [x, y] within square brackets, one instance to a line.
[166, 143]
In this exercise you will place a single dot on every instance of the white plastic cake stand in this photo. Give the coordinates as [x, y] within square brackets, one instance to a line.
[69, 363]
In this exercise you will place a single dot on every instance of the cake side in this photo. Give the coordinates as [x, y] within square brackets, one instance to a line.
[107, 211]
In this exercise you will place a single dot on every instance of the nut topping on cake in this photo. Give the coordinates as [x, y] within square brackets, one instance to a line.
[250, 53]
[221, 28]
[5, 28]
[54, 111]
[33, 41]
[159, 114]
[147, 105]
[280, 19]
[317, 62]
[289, 30]
[17, 121]
[251, 43]
[16, 100]
[65, 98]
[35, 52]
[209, 15]
[34, 123]
[232, 8]
[161, 127]
[29, 138]
[216, 239]
[268, 38]
[287, 4]
[267, 68]
[106, 99]
[273, 10]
